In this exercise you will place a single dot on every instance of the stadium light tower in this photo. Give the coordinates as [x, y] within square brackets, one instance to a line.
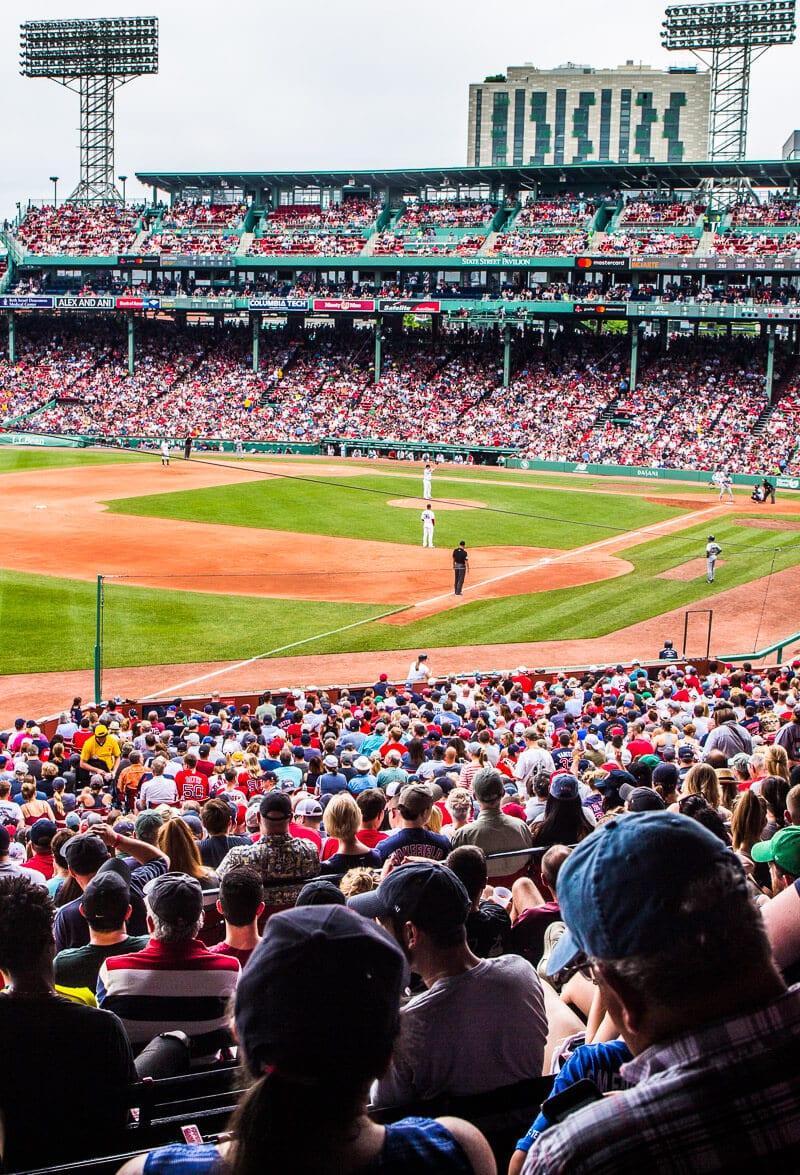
[93, 57]
[735, 35]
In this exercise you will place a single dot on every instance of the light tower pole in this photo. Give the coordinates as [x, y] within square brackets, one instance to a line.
[728, 37]
[54, 182]
[94, 57]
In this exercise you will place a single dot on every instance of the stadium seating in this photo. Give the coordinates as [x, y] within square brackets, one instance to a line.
[79, 230]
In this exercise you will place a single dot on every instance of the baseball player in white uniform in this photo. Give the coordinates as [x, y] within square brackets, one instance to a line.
[427, 477]
[164, 453]
[428, 523]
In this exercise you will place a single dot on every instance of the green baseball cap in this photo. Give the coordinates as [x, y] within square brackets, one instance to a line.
[783, 849]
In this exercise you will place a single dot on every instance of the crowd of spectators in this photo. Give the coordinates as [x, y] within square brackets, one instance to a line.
[79, 230]
[352, 212]
[656, 243]
[301, 242]
[777, 212]
[446, 213]
[696, 404]
[532, 244]
[203, 242]
[561, 212]
[540, 856]
[674, 212]
[732, 244]
[197, 213]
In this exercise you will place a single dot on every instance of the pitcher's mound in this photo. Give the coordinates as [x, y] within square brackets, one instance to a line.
[449, 504]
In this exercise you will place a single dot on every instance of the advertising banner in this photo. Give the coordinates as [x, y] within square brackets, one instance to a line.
[278, 305]
[346, 305]
[138, 303]
[408, 306]
[25, 302]
[81, 302]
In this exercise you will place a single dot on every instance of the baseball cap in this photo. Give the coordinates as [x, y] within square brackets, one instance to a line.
[147, 822]
[5, 840]
[84, 853]
[331, 762]
[685, 753]
[783, 849]
[620, 890]
[276, 803]
[429, 895]
[564, 787]
[105, 901]
[320, 892]
[43, 832]
[488, 785]
[644, 799]
[416, 799]
[308, 806]
[175, 897]
[304, 952]
[100, 729]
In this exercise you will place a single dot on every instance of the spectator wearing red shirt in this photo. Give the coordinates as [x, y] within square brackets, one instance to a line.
[191, 783]
[42, 834]
[307, 817]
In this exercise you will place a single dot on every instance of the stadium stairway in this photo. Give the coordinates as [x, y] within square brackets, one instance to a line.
[596, 242]
[706, 243]
[245, 241]
[488, 244]
[139, 240]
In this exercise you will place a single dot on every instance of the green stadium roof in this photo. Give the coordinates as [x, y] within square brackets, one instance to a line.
[570, 177]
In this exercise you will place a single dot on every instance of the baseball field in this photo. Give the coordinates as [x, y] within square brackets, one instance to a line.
[233, 574]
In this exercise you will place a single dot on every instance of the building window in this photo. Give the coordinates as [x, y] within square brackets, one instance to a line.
[478, 116]
[580, 126]
[623, 155]
[672, 126]
[561, 120]
[543, 131]
[605, 124]
[642, 143]
[500, 128]
[519, 126]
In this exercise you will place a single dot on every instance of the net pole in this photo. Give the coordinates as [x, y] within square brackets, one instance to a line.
[98, 642]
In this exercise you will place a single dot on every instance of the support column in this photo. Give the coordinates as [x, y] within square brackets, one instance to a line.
[12, 336]
[663, 330]
[131, 344]
[634, 354]
[256, 321]
[378, 339]
[770, 360]
[506, 356]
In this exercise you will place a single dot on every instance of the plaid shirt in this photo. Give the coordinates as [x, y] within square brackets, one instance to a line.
[285, 863]
[725, 1099]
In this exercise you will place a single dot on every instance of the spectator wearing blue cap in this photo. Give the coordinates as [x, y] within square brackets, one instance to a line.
[660, 910]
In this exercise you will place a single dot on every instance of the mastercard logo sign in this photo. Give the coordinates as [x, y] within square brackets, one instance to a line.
[584, 263]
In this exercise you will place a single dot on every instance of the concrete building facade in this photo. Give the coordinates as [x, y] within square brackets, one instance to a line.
[577, 114]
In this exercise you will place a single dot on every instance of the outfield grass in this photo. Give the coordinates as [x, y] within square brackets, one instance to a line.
[147, 626]
[518, 515]
[13, 460]
[48, 624]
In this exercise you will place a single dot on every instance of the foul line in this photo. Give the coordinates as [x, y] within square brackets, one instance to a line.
[545, 561]
[181, 685]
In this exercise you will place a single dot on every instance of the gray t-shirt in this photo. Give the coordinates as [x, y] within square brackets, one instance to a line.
[468, 1034]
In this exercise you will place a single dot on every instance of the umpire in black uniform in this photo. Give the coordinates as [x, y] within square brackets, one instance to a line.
[460, 564]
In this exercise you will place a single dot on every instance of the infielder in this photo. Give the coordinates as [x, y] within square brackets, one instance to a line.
[165, 453]
[724, 481]
[428, 523]
[713, 550]
[238, 447]
[427, 476]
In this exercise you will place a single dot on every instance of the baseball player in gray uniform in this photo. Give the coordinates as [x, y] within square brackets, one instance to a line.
[713, 551]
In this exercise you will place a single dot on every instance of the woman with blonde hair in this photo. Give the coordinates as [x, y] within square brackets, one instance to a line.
[175, 839]
[701, 780]
[459, 805]
[477, 761]
[434, 821]
[776, 761]
[342, 820]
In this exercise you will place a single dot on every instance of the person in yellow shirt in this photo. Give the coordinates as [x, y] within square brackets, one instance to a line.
[100, 755]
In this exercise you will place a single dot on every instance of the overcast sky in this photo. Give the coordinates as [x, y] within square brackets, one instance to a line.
[309, 83]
